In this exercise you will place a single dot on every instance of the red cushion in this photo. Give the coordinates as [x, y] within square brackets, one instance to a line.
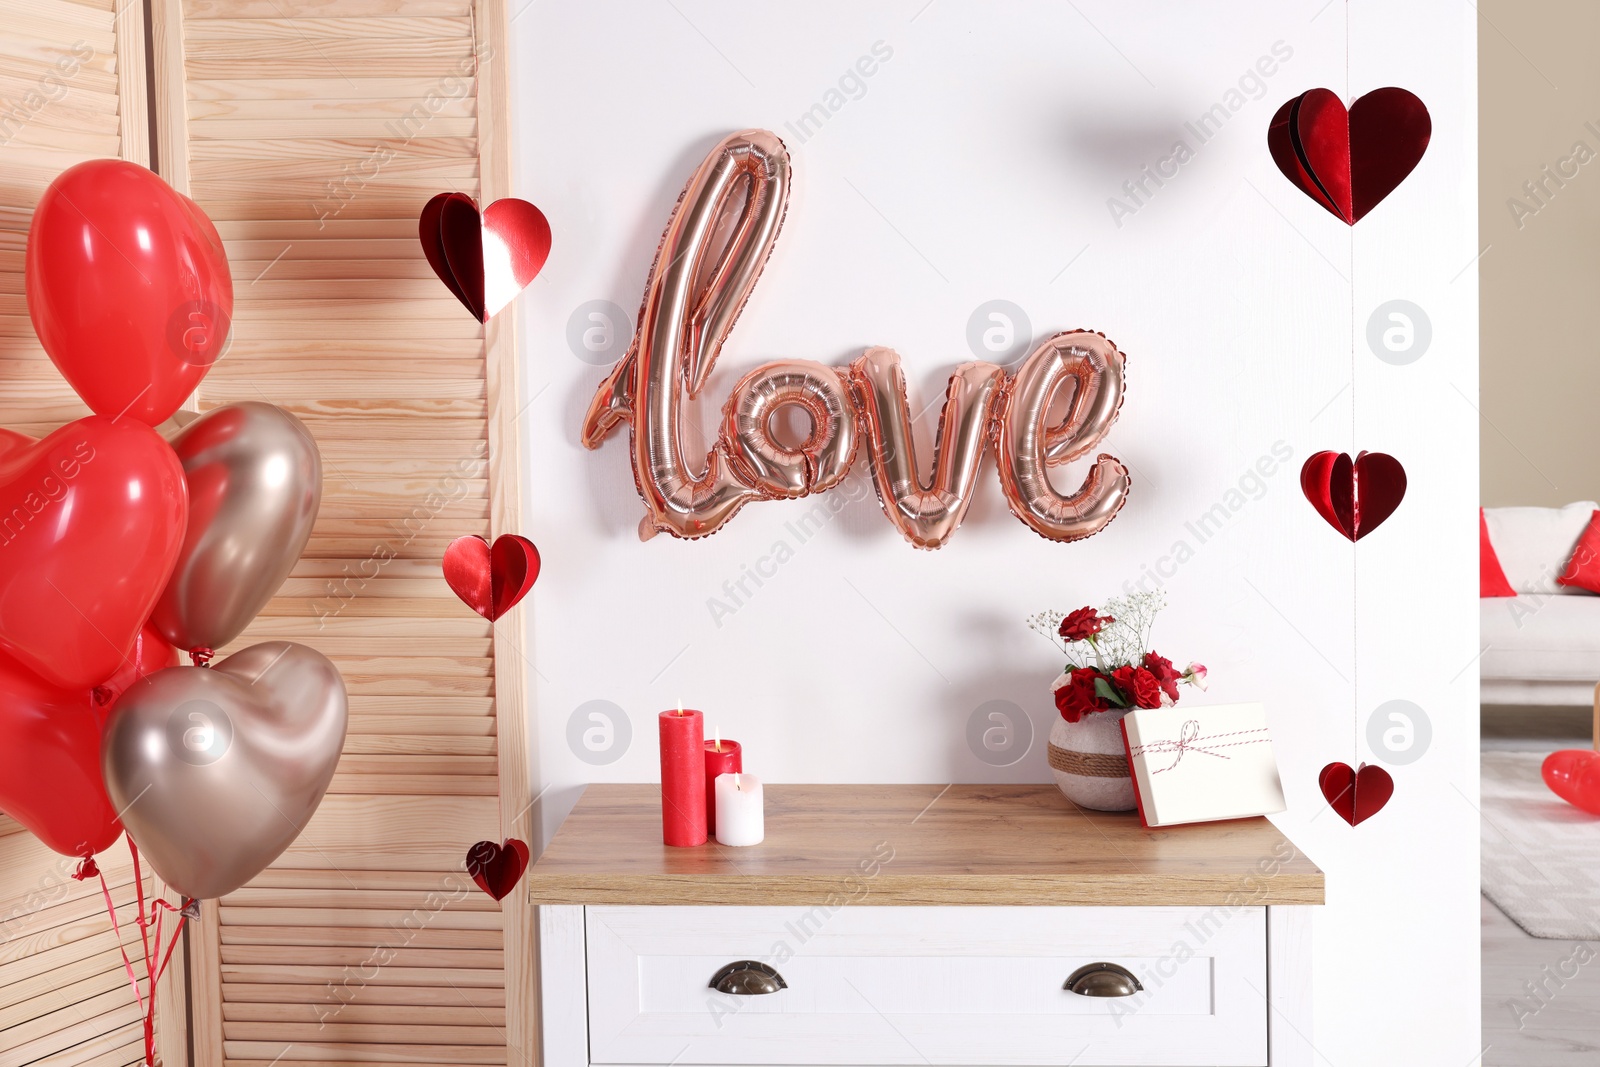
[1492, 577]
[1583, 569]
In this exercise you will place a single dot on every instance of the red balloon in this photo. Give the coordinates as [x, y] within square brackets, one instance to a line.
[128, 288]
[50, 750]
[1573, 774]
[91, 521]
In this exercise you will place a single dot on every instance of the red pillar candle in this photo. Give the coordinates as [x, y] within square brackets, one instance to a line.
[729, 759]
[683, 778]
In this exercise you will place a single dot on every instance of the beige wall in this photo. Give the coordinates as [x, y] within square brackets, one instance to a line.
[1539, 88]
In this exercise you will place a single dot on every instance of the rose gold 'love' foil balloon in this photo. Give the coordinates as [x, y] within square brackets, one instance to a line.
[926, 514]
[735, 201]
[1091, 367]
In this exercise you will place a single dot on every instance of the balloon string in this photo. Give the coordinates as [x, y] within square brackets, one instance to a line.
[138, 885]
[116, 930]
[150, 924]
[201, 656]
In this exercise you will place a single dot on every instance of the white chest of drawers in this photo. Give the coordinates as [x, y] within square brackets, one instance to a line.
[891, 925]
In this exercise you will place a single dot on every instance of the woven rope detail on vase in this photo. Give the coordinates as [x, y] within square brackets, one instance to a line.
[1089, 764]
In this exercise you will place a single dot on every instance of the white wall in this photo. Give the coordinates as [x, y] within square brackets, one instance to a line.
[977, 166]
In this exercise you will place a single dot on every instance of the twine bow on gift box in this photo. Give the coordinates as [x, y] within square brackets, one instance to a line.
[1189, 740]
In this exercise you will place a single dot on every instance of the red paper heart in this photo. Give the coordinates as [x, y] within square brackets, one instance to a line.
[484, 261]
[488, 580]
[1356, 497]
[497, 868]
[1573, 774]
[1349, 161]
[430, 228]
[1356, 795]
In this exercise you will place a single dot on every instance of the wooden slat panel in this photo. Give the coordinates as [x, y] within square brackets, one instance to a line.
[287, 111]
[260, 993]
[73, 78]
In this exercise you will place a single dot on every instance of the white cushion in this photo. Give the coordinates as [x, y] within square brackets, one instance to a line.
[1534, 544]
[1540, 638]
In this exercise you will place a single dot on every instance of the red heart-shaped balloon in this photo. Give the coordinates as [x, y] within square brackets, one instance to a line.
[128, 288]
[484, 261]
[1356, 795]
[1349, 161]
[488, 580]
[50, 778]
[1356, 497]
[497, 868]
[1573, 774]
[91, 521]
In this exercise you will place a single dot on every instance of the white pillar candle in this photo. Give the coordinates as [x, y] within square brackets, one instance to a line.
[740, 818]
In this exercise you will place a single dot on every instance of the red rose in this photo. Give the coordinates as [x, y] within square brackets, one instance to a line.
[1166, 674]
[1146, 689]
[1138, 686]
[1077, 697]
[1083, 624]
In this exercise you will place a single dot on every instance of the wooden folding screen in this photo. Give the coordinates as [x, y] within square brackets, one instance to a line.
[312, 132]
[72, 87]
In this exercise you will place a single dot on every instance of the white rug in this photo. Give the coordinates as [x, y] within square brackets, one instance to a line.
[1541, 855]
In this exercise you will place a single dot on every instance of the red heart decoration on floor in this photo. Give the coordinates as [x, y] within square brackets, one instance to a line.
[1356, 795]
[484, 261]
[1356, 497]
[94, 518]
[488, 580]
[497, 868]
[1349, 161]
[1573, 774]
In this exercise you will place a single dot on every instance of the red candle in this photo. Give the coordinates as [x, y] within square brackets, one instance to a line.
[683, 778]
[722, 757]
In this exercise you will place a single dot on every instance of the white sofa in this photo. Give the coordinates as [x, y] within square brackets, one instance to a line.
[1541, 646]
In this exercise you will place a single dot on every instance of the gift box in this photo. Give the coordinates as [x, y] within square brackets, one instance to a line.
[1200, 764]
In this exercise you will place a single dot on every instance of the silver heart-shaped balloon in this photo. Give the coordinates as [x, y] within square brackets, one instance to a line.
[216, 770]
[255, 483]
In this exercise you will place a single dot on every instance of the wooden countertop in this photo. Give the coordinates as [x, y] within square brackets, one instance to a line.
[917, 844]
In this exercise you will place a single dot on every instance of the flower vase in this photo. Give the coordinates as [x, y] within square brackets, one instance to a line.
[1090, 762]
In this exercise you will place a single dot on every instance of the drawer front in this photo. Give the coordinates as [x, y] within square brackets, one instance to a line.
[902, 985]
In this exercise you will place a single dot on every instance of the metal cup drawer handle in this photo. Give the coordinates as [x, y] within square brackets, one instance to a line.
[748, 978]
[1103, 980]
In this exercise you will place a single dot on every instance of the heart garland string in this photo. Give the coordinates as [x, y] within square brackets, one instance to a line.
[1348, 161]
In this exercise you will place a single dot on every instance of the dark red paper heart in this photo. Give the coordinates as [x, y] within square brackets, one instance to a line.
[1356, 497]
[430, 229]
[491, 581]
[497, 868]
[1357, 795]
[1349, 161]
[487, 260]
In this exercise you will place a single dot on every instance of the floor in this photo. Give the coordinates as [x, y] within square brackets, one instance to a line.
[1533, 1016]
